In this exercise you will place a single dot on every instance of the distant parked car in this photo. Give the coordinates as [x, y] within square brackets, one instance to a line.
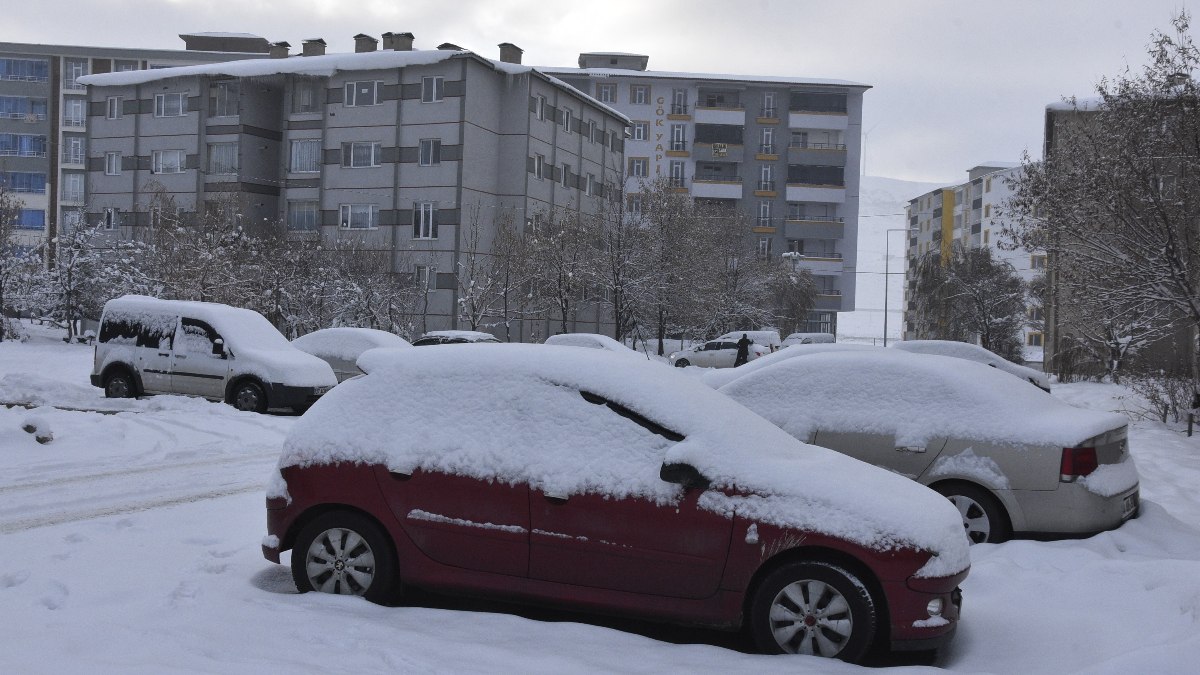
[1011, 458]
[223, 353]
[719, 353]
[808, 339]
[576, 478]
[767, 338]
[593, 341]
[450, 337]
[970, 352]
[340, 347]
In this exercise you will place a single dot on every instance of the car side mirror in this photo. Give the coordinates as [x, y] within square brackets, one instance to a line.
[684, 474]
[219, 347]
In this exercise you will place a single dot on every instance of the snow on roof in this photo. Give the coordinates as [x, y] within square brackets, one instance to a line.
[514, 413]
[468, 334]
[970, 352]
[592, 341]
[917, 397]
[223, 35]
[346, 343]
[1081, 104]
[720, 377]
[663, 74]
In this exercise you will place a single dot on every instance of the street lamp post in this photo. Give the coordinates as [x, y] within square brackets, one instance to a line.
[887, 258]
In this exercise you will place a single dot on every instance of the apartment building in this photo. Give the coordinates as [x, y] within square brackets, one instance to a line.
[396, 149]
[783, 151]
[968, 213]
[43, 116]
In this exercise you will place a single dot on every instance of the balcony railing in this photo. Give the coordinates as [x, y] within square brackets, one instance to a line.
[821, 255]
[75, 85]
[715, 178]
[679, 146]
[72, 157]
[720, 104]
[830, 291]
[74, 121]
[676, 182]
[8, 152]
[679, 108]
[766, 185]
[819, 219]
[25, 78]
[763, 221]
[28, 117]
[770, 114]
[816, 146]
[72, 196]
[767, 149]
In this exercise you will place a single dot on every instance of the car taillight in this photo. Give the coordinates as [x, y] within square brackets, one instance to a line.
[1077, 462]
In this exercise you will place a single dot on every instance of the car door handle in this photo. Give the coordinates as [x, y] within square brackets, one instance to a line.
[178, 356]
[910, 448]
[556, 499]
[397, 475]
[168, 354]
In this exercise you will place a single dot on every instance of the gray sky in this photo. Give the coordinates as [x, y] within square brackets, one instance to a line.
[956, 82]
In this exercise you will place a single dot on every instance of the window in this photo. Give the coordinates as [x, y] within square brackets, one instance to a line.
[768, 105]
[24, 181]
[430, 152]
[173, 104]
[432, 89]
[639, 94]
[641, 131]
[306, 96]
[112, 218]
[23, 107]
[424, 220]
[679, 101]
[1035, 314]
[167, 161]
[676, 173]
[303, 215]
[223, 98]
[125, 66]
[590, 130]
[73, 69]
[768, 141]
[565, 175]
[987, 185]
[567, 117]
[591, 188]
[1037, 262]
[360, 94]
[306, 156]
[678, 137]
[72, 190]
[112, 107]
[539, 106]
[197, 338]
[222, 158]
[31, 219]
[362, 154]
[112, 164]
[28, 70]
[539, 166]
[764, 248]
[764, 214]
[766, 178]
[23, 145]
[73, 152]
[359, 216]
[636, 205]
[639, 167]
[1033, 340]
[606, 93]
[74, 111]
[425, 276]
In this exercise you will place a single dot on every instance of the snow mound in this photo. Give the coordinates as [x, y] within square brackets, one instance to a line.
[345, 342]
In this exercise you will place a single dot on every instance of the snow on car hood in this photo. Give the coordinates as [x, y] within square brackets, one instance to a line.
[514, 413]
[290, 367]
[915, 396]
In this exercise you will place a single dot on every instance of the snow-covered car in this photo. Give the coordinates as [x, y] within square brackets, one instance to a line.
[453, 337]
[1011, 458]
[808, 339]
[593, 341]
[970, 352]
[340, 347]
[152, 346]
[580, 479]
[720, 353]
[767, 338]
[719, 378]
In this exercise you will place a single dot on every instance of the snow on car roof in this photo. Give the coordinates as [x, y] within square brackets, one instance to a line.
[915, 396]
[347, 342]
[723, 376]
[468, 334]
[514, 413]
[964, 350]
[592, 340]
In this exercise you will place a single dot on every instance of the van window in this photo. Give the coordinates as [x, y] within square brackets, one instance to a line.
[139, 329]
[198, 337]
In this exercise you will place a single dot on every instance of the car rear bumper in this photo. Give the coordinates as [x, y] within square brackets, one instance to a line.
[1073, 510]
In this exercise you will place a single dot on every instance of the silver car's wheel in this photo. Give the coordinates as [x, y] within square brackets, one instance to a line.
[249, 397]
[983, 519]
[340, 561]
[975, 520]
[682, 363]
[813, 608]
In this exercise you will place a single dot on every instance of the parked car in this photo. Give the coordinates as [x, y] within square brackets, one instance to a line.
[1013, 459]
[767, 338]
[576, 478]
[719, 378]
[593, 341]
[720, 353]
[340, 347]
[970, 352]
[450, 337]
[809, 339]
[223, 353]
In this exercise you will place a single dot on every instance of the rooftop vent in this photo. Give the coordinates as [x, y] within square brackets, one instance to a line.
[401, 42]
[510, 53]
[450, 46]
[364, 43]
[314, 47]
[279, 50]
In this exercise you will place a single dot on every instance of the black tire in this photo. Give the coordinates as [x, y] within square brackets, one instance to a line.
[984, 519]
[346, 553]
[249, 396]
[813, 608]
[119, 384]
[682, 363]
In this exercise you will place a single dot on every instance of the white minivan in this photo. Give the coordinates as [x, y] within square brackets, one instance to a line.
[223, 353]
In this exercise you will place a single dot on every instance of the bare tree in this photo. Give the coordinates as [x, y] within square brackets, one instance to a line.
[18, 263]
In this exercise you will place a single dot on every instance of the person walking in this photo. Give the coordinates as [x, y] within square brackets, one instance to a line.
[743, 352]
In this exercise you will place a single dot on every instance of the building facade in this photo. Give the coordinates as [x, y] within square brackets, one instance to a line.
[968, 214]
[400, 150]
[44, 117]
[783, 151]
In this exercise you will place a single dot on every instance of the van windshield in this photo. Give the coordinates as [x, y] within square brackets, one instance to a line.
[249, 330]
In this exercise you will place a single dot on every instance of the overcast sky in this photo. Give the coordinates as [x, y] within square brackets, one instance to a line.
[955, 82]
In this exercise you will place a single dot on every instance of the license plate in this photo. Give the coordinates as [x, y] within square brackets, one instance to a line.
[1129, 506]
[321, 391]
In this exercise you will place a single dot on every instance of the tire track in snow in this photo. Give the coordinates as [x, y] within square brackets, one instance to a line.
[226, 460]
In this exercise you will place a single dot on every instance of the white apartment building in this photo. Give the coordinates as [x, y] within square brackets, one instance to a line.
[785, 151]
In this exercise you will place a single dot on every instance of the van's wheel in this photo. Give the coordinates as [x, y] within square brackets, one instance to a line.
[813, 608]
[249, 397]
[682, 363]
[345, 553]
[983, 518]
[119, 384]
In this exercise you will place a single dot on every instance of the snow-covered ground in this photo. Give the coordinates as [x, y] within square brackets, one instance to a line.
[129, 542]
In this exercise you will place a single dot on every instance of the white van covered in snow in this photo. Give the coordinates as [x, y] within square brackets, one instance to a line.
[223, 353]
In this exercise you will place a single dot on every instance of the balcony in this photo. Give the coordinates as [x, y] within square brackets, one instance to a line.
[73, 157]
[766, 149]
[813, 227]
[803, 192]
[678, 148]
[679, 111]
[78, 122]
[717, 187]
[72, 197]
[817, 154]
[720, 111]
[718, 152]
[677, 183]
[828, 300]
[768, 116]
[765, 188]
[818, 120]
[817, 263]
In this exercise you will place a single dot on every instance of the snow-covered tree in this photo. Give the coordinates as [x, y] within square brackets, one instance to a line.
[19, 264]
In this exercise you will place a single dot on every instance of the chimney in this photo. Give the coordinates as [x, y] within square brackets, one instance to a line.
[510, 53]
[450, 46]
[364, 43]
[279, 50]
[401, 42]
[1178, 79]
[314, 47]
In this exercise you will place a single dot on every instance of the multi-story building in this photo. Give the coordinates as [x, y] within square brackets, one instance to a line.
[395, 149]
[43, 116]
[783, 151]
[968, 214]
